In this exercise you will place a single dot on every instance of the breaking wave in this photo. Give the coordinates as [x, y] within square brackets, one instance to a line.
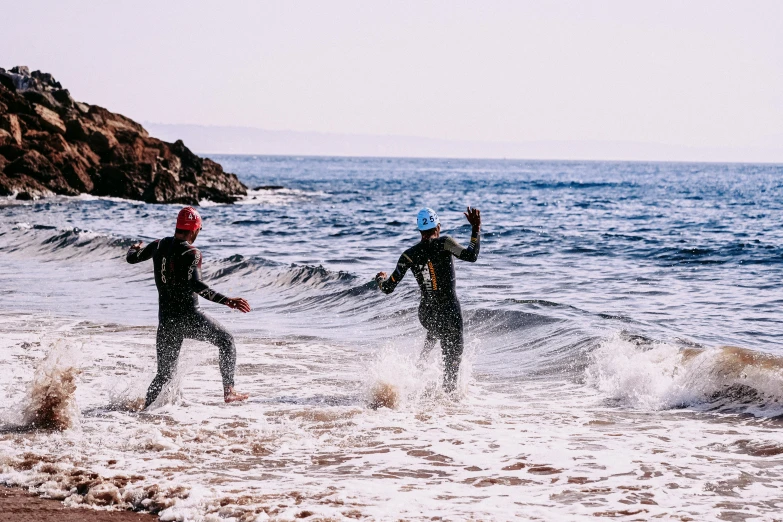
[61, 244]
[649, 375]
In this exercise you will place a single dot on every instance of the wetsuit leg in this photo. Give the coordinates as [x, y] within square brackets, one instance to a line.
[443, 320]
[452, 345]
[169, 343]
[428, 320]
[429, 345]
[203, 328]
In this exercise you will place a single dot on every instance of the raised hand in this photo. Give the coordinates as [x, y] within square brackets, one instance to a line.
[473, 216]
[237, 303]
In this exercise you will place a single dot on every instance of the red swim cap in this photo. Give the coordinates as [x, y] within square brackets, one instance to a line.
[188, 219]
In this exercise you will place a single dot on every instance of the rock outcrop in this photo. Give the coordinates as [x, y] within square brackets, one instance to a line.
[52, 144]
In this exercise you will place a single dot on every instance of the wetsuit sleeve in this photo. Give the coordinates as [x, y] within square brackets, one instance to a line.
[196, 283]
[465, 254]
[137, 255]
[390, 284]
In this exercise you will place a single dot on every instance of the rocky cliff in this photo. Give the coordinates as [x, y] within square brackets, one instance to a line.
[52, 144]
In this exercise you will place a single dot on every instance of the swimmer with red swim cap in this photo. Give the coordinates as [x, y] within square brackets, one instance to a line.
[178, 278]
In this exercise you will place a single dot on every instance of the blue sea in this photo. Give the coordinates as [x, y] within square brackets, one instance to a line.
[623, 346]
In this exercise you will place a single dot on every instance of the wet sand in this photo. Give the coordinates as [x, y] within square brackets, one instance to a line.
[17, 505]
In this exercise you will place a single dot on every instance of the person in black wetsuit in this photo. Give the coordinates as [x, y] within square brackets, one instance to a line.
[432, 263]
[178, 278]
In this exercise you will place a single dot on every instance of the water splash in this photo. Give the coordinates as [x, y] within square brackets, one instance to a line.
[384, 395]
[51, 402]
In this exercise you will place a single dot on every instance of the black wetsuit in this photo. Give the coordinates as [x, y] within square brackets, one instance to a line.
[439, 312]
[178, 278]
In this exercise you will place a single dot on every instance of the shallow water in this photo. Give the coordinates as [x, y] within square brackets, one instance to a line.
[623, 352]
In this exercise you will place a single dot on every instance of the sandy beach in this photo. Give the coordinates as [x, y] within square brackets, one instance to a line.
[17, 505]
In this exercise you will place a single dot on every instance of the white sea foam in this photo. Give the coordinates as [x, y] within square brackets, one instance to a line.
[663, 375]
[277, 196]
[307, 442]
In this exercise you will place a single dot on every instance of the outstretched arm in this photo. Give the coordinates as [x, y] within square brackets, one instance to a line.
[137, 254]
[198, 285]
[470, 253]
[387, 286]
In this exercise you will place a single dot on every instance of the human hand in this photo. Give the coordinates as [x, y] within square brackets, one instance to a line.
[237, 303]
[137, 245]
[473, 216]
[380, 277]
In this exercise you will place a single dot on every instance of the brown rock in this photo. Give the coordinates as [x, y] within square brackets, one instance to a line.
[37, 166]
[10, 123]
[50, 119]
[41, 98]
[11, 151]
[102, 142]
[128, 181]
[32, 136]
[166, 188]
[76, 130]
[60, 186]
[30, 122]
[148, 154]
[217, 185]
[51, 143]
[7, 82]
[85, 152]
[5, 137]
[22, 183]
[123, 153]
[63, 97]
[115, 121]
[34, 164]
[77, 176]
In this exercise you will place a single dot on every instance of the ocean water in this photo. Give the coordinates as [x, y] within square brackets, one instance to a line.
[623, 347]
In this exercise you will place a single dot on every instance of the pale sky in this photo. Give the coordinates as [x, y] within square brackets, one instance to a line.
[695, 73]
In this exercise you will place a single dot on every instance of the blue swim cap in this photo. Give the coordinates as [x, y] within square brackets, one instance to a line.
[427, 219]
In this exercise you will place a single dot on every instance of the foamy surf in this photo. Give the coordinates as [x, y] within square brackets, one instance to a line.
[400, 374]
[307, 442]
[660, 375]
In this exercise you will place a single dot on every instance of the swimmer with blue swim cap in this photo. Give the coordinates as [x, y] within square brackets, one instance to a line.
[427, 219]
[432, 263]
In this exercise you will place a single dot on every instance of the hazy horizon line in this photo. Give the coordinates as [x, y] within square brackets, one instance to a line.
[248, 140]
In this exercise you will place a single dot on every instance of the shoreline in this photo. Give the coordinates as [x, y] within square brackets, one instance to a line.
[19, 505]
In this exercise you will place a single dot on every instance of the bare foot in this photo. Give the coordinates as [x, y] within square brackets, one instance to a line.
[229, 395]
